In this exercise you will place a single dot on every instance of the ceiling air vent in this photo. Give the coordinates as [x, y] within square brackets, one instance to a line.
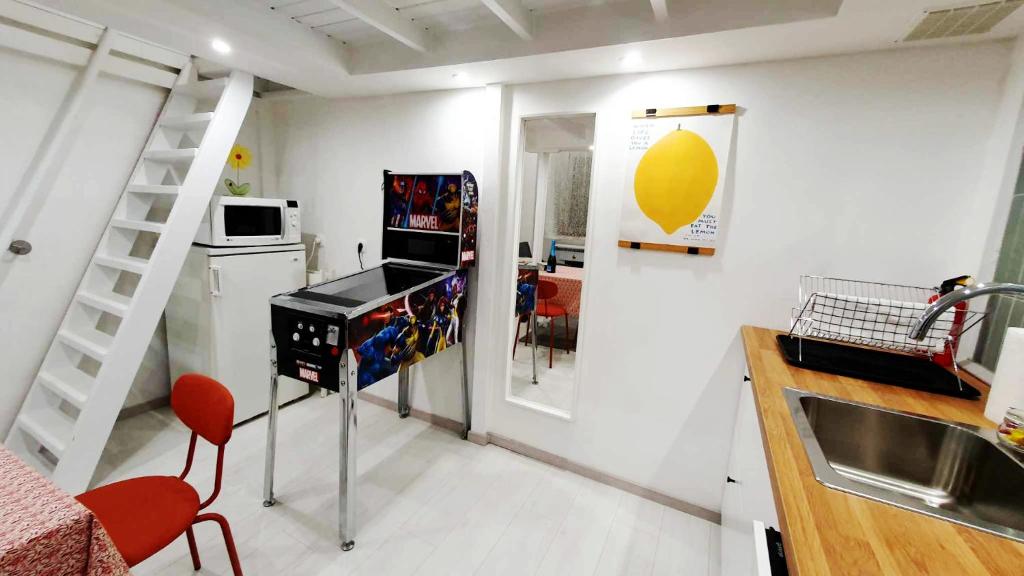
[973, 19]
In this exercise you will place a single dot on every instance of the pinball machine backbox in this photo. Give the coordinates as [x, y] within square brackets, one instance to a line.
[428, 239]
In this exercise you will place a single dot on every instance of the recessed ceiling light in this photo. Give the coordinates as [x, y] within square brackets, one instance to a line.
[631, 59]
[220, 46]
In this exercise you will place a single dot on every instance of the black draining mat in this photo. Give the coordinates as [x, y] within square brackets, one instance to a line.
[874, 365]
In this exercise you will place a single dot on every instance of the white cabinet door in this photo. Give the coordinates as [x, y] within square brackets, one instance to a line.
[748, 492]
[758, 500]
[241, 286]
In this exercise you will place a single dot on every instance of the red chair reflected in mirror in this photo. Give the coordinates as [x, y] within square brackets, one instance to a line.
[546, 290]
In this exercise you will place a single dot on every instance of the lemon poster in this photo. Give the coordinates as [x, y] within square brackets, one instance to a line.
[675, 173]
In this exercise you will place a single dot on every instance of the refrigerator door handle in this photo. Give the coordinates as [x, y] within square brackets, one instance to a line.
[214, 280]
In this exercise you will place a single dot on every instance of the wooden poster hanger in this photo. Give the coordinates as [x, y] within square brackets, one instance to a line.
[693, 250]
[712, 109]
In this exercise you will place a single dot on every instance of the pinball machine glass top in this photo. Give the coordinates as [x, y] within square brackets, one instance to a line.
[369, 285]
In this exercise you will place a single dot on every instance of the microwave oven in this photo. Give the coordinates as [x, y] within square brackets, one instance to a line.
[241, 221]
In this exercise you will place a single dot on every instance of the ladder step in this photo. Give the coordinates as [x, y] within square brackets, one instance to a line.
[175, 155]
[69, 383]
[114, 303]
[141, 225]
[51, 427]
[153, 189]
[30, 456]
[126, 263]
[203, 89]
[97, 345]
[188, 121]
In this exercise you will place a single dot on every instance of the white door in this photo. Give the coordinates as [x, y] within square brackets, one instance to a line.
[241, 286]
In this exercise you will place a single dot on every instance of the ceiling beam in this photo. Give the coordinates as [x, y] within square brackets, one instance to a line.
[386, 19]
[660, 8]
[514, 15]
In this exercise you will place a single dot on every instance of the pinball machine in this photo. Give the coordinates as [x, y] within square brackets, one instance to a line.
[346, 334]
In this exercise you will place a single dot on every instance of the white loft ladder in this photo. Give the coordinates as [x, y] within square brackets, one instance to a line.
[85, 377]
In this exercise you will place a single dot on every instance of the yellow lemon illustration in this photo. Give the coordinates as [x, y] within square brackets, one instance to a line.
[675, 179]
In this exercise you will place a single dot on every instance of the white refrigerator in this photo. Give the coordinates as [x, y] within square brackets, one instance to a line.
[218, 319]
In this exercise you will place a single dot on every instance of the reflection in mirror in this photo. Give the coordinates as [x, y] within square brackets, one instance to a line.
[554, 199]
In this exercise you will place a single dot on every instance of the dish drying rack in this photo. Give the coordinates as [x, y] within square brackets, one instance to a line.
[878, 315]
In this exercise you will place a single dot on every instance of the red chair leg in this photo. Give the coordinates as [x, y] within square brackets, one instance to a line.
[551, 340]
[566, 333]
[519, 321]
[229, 542]
[191, 536]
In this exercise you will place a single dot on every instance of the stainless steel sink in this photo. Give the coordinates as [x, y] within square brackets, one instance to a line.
[943, 469]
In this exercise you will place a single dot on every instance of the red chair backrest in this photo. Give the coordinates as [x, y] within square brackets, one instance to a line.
[205, 406]
[546, 289]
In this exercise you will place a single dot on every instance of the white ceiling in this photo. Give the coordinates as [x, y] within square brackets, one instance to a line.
[470, 46]
[464, 31]
[325, 17]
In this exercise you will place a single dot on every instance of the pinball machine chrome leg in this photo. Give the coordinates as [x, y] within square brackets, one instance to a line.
[466, 406]
[403, 392]
[268, 471]
[347, 465]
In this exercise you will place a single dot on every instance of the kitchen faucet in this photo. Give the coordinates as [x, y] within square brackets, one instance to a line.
[935, 309]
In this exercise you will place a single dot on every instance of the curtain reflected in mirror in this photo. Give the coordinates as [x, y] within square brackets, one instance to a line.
[554, 199]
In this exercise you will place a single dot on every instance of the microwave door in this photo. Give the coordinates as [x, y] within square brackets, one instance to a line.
[253, 223]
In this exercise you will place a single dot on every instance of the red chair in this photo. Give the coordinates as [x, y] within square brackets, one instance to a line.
[546, 290]
[143, 515]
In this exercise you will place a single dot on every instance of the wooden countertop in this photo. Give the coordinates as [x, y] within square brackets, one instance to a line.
[826, 531]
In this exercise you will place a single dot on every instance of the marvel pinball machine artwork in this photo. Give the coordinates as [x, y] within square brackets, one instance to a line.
[408, 329]
[526, 290]
[525, 308]
[351, 332]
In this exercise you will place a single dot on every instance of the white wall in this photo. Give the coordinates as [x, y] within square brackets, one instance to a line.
[860, 166]
[36, 289]
[1003, 163]
[332, 154]
[256, 134]
[528, 200]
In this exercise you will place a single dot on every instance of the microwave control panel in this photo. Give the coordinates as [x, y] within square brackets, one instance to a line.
[293, 226]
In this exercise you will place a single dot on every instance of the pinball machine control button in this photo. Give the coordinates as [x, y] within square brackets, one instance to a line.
[316, 341]
[300, 325]
[295, 336]
[311, 328]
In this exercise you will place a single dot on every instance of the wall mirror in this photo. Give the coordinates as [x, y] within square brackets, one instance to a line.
[554, 198]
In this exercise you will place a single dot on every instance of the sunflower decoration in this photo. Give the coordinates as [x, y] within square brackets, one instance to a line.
[239, 159]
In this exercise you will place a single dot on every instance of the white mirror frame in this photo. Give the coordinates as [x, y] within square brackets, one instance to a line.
[508, 309]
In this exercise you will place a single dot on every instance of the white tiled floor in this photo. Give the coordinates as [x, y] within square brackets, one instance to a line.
[554, 385]
[429, 504]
